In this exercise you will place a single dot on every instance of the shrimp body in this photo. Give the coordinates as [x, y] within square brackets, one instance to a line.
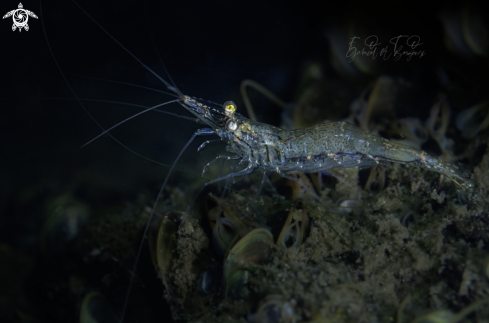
[325, 146]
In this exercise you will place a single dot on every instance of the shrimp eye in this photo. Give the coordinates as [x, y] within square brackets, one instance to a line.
[231, 125]
[230, 108]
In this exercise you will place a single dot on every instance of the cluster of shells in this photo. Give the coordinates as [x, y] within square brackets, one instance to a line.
[222, 271]
[298, 262]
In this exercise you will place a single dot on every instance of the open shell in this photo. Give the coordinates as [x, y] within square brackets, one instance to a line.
[253, 249]
[294, 229]
[473, 120]
[224, 223]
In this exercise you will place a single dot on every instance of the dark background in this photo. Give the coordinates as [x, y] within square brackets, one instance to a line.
[208, 49]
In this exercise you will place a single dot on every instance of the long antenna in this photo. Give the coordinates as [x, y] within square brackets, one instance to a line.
[127, 119]
[168, 85]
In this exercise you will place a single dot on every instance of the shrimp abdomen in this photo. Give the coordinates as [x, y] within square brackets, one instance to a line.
[343, 145]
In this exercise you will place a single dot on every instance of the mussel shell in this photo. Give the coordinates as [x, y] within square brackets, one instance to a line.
[321, 100]
[375, 182]
[375, 107]
[453, 36]
[162, 243]
[440, 316]
[65, 218]
[412, 132]
[409, 217]
[380, 104]
[297, 191]
[343, 47]
[96, 309]
[253, 249]
[273, 309]
[475, 30]
[466, 31]
[347, 206]
[224, 224]
[473, 120]
[210, 279]
[439, 119]
[165, 242]
[294, 229]
[363, 27]
[338, 44]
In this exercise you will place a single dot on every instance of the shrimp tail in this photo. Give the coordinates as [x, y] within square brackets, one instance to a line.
[458, 175]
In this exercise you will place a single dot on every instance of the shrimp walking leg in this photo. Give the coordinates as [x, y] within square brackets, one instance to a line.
[208, 142]
[274, 190]
[224, 157]
[228, 184]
